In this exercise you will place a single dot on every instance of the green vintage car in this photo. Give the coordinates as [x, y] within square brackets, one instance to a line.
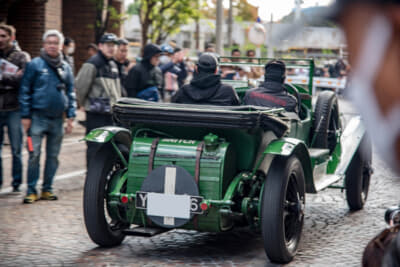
[213, 168]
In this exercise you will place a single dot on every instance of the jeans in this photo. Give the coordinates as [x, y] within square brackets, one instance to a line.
[53, 129]
[95, 120]
[12, 119]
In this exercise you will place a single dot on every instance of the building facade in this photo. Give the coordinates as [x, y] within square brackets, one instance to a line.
[74, 18]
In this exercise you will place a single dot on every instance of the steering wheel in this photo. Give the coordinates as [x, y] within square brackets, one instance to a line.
[296, 94]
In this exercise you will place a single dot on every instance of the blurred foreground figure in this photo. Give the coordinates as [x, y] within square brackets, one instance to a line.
[372, 30]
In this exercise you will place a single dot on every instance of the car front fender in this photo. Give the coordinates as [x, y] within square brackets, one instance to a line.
[287, 147]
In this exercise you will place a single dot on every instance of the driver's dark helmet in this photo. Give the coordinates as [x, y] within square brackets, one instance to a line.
[275, 71]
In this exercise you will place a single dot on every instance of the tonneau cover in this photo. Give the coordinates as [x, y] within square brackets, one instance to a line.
[130, 111]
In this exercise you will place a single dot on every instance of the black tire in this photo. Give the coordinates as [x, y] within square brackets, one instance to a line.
[326, 121]
[282, 209]
[101, 230]
[358, 176]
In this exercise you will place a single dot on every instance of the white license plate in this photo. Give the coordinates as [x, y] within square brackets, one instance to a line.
[166, 205]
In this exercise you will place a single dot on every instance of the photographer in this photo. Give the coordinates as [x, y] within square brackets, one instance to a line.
[47, 91]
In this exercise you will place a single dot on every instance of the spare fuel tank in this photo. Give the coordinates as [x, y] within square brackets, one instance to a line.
[215, 158]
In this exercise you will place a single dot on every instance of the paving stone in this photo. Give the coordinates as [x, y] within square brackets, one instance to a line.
[52, 233]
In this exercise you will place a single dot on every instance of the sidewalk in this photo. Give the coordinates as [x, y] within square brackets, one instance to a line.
[72, 159]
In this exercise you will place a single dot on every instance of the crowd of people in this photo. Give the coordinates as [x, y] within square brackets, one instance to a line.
[40, 98]
[337, 69]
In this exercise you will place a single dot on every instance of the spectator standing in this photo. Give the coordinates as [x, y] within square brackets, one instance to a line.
[234, 54]
[121, 59]
[175, 72]
[256, 72]
[91, 50]
[68, 52]
[9, 107]
[47, 92]
[169, 81]
[145, 79]
[98, 87]
[210, 48]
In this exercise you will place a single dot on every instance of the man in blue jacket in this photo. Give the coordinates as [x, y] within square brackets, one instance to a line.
[46, 93]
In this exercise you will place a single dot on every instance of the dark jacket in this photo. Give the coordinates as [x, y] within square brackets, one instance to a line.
[142, 76]
[70, 60]
[123, 73]
[271, 94]
[207, 89]
[179, 69]
[9, 84]
[98, 78]
[40, 90]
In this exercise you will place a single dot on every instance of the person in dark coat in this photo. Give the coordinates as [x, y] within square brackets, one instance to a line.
[272, 93]
[10, 115]
[145, 79]
[206, 87]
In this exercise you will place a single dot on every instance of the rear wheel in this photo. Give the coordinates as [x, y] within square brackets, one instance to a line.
[358, 176]
[102, 229]
[326, 121]
[282, 210]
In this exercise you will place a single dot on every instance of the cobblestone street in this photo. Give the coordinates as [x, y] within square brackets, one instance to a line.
[53, 233]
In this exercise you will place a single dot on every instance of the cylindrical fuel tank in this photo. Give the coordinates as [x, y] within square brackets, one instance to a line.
[216, 162]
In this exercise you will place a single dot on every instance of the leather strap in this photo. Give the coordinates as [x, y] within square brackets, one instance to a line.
[153, 153]
[199, 151]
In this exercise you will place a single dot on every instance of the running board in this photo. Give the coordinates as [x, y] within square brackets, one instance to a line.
[144, 231]
[327, 180]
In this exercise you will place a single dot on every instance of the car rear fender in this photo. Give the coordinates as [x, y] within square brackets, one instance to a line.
[106, 134]
[287, 147]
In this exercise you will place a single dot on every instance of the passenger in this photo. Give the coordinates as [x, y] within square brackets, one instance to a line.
[272, 92]
[206, 87]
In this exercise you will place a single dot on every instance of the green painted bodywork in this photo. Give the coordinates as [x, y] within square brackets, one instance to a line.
[104, 134]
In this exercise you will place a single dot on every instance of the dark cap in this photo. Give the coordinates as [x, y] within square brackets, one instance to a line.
[108, 38]
[122, 41]
[177, 49]
[275, 70]
[339, 6]
[151, 50]
[207, 62]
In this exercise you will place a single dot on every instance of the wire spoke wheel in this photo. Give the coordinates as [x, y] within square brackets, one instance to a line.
[104, 170]
[358, 176]
[282, 211]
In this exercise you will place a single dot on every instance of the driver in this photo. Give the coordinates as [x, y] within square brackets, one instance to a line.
[272, 93]
[206, 87]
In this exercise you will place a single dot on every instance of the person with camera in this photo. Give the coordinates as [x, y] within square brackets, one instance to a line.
[9, 108]
[98, 87]
[46, 95]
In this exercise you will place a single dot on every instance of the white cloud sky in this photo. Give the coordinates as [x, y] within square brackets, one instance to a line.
[280, 8]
